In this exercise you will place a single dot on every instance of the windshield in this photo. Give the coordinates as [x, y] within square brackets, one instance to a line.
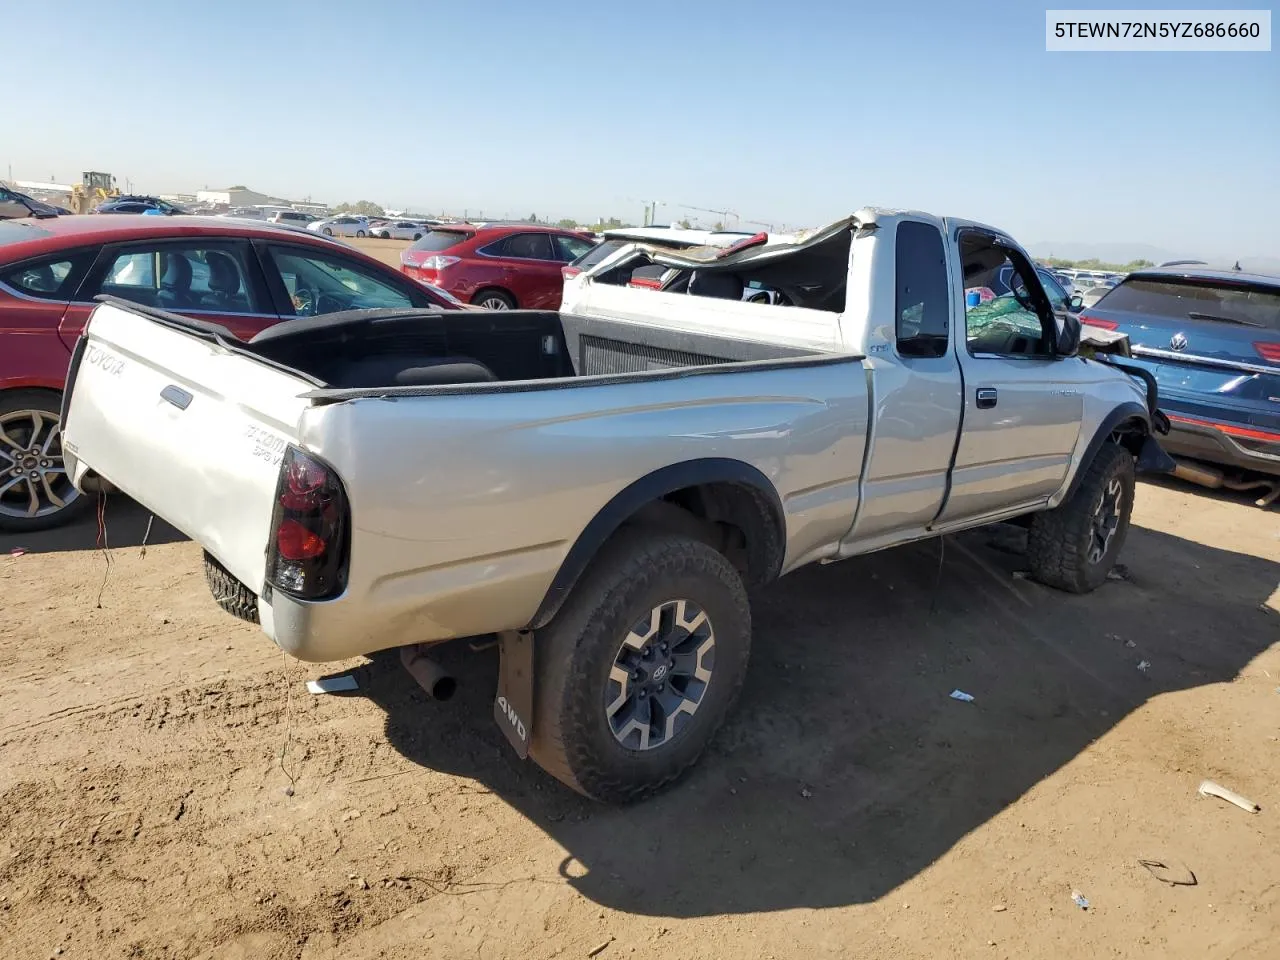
[598, 253]
[438, 240]
[1251, 305]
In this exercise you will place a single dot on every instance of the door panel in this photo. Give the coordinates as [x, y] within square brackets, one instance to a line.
[916, 401]
[1018, 450]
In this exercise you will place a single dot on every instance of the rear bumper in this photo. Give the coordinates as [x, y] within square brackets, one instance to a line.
[1227, 444]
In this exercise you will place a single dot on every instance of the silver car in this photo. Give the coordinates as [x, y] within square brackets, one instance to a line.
[399, 230]
[345, 225]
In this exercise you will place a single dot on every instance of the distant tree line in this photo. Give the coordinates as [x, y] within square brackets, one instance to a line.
[364, 208]
[1094, 263]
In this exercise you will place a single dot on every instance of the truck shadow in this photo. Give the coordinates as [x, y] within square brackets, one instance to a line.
[846, 768]
[125, 526]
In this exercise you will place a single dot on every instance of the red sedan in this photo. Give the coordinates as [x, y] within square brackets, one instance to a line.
[497, 267]
[243, 276]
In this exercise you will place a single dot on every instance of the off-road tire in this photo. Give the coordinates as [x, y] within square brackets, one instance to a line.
[636, 571]
[228, 592]
[1058, 542]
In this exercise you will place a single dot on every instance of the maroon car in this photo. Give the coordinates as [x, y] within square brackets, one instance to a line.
[241, 275]
[497, 266]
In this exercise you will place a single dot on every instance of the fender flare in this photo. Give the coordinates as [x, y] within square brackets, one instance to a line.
[624, 505]
[1130, 410]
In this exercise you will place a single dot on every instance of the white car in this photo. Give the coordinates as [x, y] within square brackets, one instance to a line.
[399, 230]
[345, 225]
[294, 218]
[244, 213]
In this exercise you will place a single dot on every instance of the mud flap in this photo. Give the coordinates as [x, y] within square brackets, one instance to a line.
[1153, 459]
[513, 706]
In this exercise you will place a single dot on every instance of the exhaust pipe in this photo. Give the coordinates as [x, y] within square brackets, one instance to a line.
[430, 676]
[1199, 473]
[1215, 479]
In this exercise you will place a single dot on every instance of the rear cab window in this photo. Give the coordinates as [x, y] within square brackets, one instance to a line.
[1253, 305]
[922, 310]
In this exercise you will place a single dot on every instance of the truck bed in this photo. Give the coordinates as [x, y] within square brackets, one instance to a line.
[349, 354]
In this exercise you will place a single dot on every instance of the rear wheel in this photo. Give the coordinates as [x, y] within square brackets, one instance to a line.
[1074, 546]
[494, 300]
[228, 592]
[417, 236]
[35, 491]
[640, 667]
[360, 234]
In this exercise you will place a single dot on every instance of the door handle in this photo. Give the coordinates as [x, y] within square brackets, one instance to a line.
[177, 396]
[986, 397]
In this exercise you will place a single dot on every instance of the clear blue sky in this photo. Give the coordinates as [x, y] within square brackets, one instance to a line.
[791, 112]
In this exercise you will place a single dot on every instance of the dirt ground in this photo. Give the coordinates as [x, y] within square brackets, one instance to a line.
[388, 251]
[849, 808]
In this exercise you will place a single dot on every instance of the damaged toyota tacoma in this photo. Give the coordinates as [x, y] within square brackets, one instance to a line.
[600, 488]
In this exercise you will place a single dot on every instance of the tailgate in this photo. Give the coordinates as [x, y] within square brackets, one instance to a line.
[186, 425]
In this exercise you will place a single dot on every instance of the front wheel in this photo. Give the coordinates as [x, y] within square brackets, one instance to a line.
[327, 232]
[1074, 546]
[640, 667]
[35, 491]
[360, 234]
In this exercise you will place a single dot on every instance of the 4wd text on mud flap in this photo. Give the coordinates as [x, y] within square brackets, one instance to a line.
[109, 363]
[513, 718]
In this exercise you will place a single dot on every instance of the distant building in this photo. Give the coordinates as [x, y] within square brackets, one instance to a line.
[241, 196]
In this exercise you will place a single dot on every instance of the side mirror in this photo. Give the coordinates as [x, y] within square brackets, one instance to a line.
[1076, 303]
[1068, 340]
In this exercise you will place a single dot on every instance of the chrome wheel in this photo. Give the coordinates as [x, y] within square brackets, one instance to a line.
[495, 303]
[33, 477]
[1106, 519]
[660, 675]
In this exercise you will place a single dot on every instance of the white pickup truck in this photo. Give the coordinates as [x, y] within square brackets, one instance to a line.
[599, 488]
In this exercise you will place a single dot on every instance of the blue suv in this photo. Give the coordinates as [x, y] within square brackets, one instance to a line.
[1211, 338]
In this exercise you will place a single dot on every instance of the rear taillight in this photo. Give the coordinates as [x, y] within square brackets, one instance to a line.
[309, 528]
[1098, 322]
[1268, 350]
[646, 283]
[437, 262]
[570, 272]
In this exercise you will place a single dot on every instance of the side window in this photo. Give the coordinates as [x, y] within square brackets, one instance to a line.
[528, 246]
[1002, 323]
[317, 284]
[183, 276]
[569, 249]
[922, 309]
[1053, 290]
[54, 279]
